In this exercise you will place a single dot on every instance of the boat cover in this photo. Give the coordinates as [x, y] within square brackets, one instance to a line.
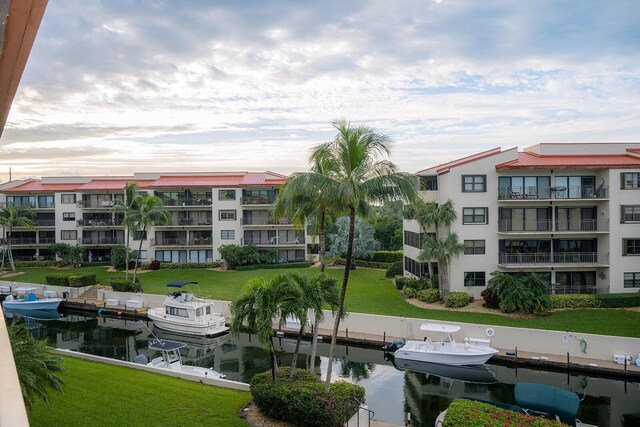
[439, 327]
[552, 400]
[180, 283]
[166, 345]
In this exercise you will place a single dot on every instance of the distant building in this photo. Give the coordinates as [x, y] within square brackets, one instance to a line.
[568, 211]
[207, 211]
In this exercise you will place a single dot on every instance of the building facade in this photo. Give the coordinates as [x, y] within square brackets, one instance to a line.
[570, 212]
[207, 211]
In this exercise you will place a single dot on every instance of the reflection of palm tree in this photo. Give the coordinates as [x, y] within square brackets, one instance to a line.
[356, 370]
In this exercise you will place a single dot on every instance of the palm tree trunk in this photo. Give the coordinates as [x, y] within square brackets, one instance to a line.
[135, 269]
[126, 257]
[314, 343]
[274, 366]
[294, 359]
[321, 242]
[444, 277]
[9, 253]
[343, 292]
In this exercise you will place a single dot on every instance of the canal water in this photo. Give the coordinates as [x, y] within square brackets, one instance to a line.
[395, 393]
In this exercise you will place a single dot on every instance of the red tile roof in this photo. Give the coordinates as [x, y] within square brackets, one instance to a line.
[110, 184]
[36, 186]
[527, 160]
[464, 160]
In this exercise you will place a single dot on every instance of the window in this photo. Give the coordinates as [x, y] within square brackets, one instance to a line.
[630, 213]
[630, 246]
[474, 247]
[68, 199]
[259, 197]
[208, 309]
[227, 215]
[68, 216]
[69, 235]
[630, 180]
[577, 187]
[201, 256]
[29, 201]
[171, 256]
[143, 254]
[45, 202]
[474, 183]
[227, 195]
[524, 219]
[199, 311]
[175, 311]
[429, 183]
[524, 187]
[474, 215]
[632, 280]
[474, 278]
[415, 239]
[416, 268]
[227, 234]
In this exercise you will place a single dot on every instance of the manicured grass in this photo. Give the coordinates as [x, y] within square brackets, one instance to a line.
[97, 394]
[370, 292]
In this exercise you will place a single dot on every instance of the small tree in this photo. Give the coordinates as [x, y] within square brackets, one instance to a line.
[125, 207]
[68, 254]
[524, 293]
[363, 241]
[10, 217]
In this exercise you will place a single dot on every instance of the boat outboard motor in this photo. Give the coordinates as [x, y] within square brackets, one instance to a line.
[141, 359]
[395, 345]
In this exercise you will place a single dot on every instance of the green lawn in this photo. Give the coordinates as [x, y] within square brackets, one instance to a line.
[97, 394]
[370, 292]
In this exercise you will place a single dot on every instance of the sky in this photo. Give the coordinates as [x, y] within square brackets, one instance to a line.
[115, 87]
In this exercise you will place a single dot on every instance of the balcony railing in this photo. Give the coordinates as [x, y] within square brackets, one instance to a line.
[262, 221]
[189, 201]
[99, 223]
[13, 204]
[273, 241]
[45, 222]
[577, 289]
[554, 258]
[101, 240]
[24, 241]
[95, 204]
[510, 226]
[46, 205]
[257, 200]
[559, 193]
[46, 240]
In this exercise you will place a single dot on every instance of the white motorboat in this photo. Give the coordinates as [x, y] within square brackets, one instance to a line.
[30, 301]
[446, 351]
[185, 313]
[171, 359]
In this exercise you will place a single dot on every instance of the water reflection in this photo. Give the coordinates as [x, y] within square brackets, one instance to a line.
[394, 395]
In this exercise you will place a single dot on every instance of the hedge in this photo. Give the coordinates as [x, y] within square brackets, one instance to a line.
[573, 301]
[178, 265]
[365, 264]
[303, 400]
[96, 264]
[78, 281]
[49, 263]
[56, 279]
[395, 269]
[386, 256]
[618, 300]
[123, 285]
[273, 266]
[428, 295]
[470, 413]
[457, 300]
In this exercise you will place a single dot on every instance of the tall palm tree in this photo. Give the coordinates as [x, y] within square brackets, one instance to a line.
[150, 211]
[306, 205]
[11, 217]
[323, 291]
[37, 368]
[358, 177]
[126, 207]
[443, 250]
[260, 303]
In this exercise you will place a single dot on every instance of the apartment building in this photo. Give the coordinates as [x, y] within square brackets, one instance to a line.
[207, 211]
[570, 212]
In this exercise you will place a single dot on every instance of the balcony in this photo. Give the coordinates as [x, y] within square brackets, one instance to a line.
[187, 201]
[556, 289]
[173, 241]
[45, 222]
[554, 193]
[257, 200]
[549, 226]
[99, 223]
[263, 221]
[562, 259]
[46, 205]
[95, 204]
[101, 241]
[24, 241]
[273, 241]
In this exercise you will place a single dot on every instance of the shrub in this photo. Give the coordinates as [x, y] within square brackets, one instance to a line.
[418, 284]
[457, 300]
[157, 265]
[618, 300]
[386, 256]
[469, 413]
[82, 280]
[274, 266]
[525, 293]
[408, 292]
[400, 282]
[394, 269]
[119, 257]
[490, 299]
[123, 285]
[574, 301]
[50, 263]
[235, 255]
[428, 295]
[365, 264]
[154, 265]
[56, 279]
[68, 254]
[303, 401]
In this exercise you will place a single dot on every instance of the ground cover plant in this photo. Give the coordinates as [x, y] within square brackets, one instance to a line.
[468, 413]
[104, 395]
[369, 292]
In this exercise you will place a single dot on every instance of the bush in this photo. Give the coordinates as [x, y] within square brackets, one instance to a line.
[386, 256]
[428, 295]
[526, 293]
[490, 299]
[119, 257]
[400, 282]
[470, 413]
[157, 265]
[274, 266]
[235, 255]
[394, 269]
[68, 254]
[303, 401]
[457, 300]
[95, 264]
[408, 292]
[154, 265]
[82, 280]
[36, 263]
[56, 279]
[124, 285]
[363, 263]
[574, 301]
[618, 300]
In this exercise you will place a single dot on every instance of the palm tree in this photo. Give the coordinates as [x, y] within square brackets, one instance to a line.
[364, 241]
[126, 207]
[443, 250]
[11, 217]
[37, 368]
[150, 210]
[357, 178]
[260, 303]
[323, 291]
[306, 205]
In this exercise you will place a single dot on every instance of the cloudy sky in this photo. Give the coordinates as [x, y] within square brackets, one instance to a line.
[113, 87]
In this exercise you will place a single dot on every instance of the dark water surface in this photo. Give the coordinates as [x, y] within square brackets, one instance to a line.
[394, 394]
